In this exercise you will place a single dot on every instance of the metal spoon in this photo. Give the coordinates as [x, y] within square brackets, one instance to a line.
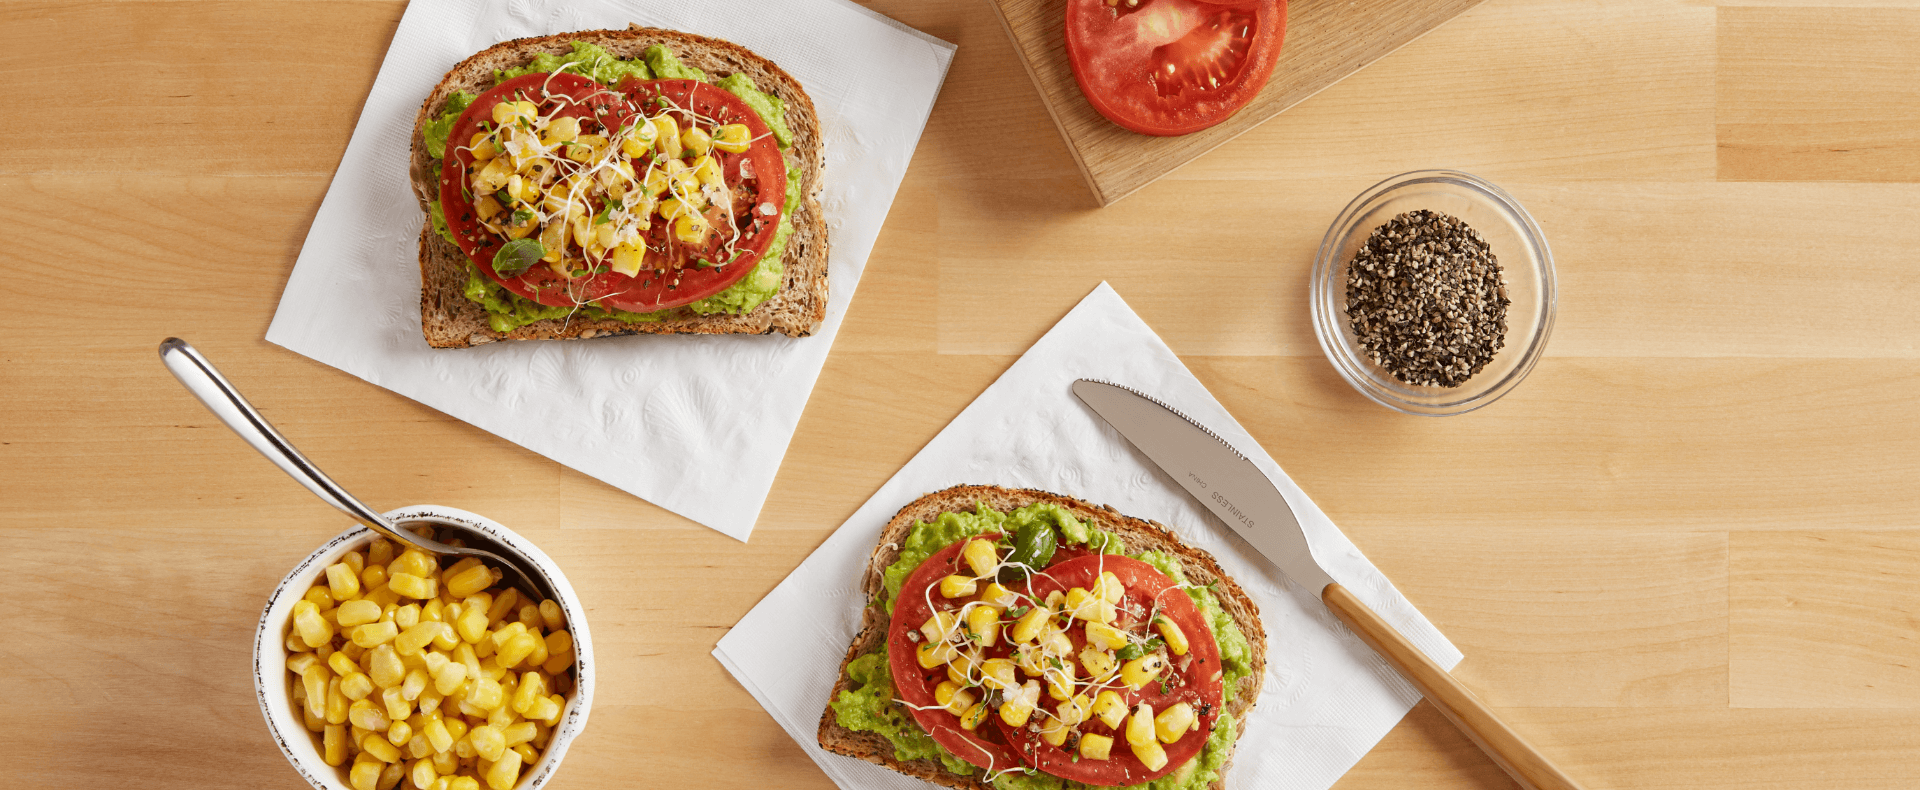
[200, 378]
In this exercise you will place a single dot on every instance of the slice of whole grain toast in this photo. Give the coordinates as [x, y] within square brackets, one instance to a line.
[449, 320]
[1137, 534]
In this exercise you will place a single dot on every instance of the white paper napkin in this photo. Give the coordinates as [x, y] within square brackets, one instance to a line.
[697, 425]
[1327, 698]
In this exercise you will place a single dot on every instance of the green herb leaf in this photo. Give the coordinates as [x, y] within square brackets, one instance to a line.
[517, 256]
[1131, 652]
[522, 216]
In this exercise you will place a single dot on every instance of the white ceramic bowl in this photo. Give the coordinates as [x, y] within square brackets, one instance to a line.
[272, 683]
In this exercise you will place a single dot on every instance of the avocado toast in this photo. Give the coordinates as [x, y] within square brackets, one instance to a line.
[466, 301]
[870, 718]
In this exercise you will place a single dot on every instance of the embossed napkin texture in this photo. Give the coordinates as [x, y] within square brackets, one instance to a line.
[1327, 698]
[697, 425]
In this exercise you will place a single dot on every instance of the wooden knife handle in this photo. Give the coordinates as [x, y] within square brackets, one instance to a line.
[1518, 758]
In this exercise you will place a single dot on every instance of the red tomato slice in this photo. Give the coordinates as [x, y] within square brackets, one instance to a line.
[673, 274]
[1194, 678]
[985, 746]
[1172, 67]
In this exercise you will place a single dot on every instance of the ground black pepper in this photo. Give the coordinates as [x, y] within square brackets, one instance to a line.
[1427, 299]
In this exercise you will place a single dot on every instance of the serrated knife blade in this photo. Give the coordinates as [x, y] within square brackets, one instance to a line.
[1231, 487]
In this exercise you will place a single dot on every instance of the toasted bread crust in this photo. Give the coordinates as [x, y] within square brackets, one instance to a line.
[449, 320]
[1137, 534]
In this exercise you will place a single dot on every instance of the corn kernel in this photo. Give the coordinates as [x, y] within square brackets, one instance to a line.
[984, 623]
[462, 783]
[952, 697]
[666, 136]
[517, 649]
[552, 617]
[505, 771]
[972, 719]
[486, 694]
[315, 682]
[939, 627]
[368, 716]
[980, 556]
[313, 629]
[691, 228]
[415, 682]
[697, 141]
[508, 601]
[411, 563]
[997, 673]
[1020, 704]
[319, 595]
[377, 747]
[1108, 588]
[519, 733]
[359, 612]
[547, 709]
[1095, 747]
[1170, 631]
[437, 735]
[416, 638]
[1109, 709]
[532, 687]
[1099, 663]
[333, 744]
[733, 138]
[298, 664]
[375, 634]
[488, 741]
[1174, 722]
[336, 703]
[397, 705]
[1106, 636]
[399, 734]
[422, 773]
[1054, 732]
[1075, 710]
[385, 667]
[933, 654]
[1027, 628]
[470, 580]
[448, 679]
[343, 580]
[365, 774]
[557, 662]
[1140, 725]
[958, 587]
[412, 586]
[1086, 606]
[1142, 670]
[356, 686]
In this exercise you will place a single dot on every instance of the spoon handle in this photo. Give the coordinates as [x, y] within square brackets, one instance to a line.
[205, 382]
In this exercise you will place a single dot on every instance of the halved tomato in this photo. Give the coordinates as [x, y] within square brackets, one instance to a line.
[1172, 67]
[985, 746]
[675, 273]
[1194, 678]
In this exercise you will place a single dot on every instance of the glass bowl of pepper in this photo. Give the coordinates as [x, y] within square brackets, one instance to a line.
[1433, 293]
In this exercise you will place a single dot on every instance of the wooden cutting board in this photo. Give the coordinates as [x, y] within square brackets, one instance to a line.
[1326, 40]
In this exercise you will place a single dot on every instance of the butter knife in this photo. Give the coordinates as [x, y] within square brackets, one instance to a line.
[1231, 487]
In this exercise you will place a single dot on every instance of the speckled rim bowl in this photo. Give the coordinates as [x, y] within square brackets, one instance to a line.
[271, 681]
[1516, 242]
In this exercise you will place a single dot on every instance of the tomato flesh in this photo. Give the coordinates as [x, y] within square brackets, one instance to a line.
[1194, 678]
[675, 273]
[1173, 67]
[984, 746]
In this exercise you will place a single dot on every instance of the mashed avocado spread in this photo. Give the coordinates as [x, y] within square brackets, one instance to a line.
[506, 310]
[870, 707]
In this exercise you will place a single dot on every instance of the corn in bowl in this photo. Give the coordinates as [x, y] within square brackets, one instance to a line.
[431, 678]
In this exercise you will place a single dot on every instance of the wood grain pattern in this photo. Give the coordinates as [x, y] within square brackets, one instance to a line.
[1679, 557]
[1325, 41]
[1528, 767]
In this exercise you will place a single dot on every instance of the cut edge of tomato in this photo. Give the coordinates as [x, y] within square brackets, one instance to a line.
[1263, 56]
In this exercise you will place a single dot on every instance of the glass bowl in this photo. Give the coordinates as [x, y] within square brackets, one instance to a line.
[1516, 243]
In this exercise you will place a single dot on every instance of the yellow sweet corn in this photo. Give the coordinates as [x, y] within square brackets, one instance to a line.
[1020, 704]
[399, 734]
[368, 716]
[449, 678]
[462, 783]
[437, 735]
[666, 136]
[505, 771]
[1099, 663]
[397, 705]
[696, 141]
[560, 130]
[733, 138]
[1142, 670]
[422, 774]
[975, 715]
[1095, 747]
[952, 697]
[299, 663]
[547, 709]
[413, 563]
[530, 616]
[374, 577]
[336, 703]
[365, 774]
[939, 627]
[488, 741]
[552, 617]
[1084, 605]
[333, 744]
[355, 613]
[416, 638]
[1075, 710]
[378, 748]
[1054, 732]
[706, 171]
[375, 634]
[980, 556]
[508, 113]
[313, 629]
[343, 580]
[532, 687]
[1059, 683]
[516, 649]
[997, 674]
[379, 552]
[998, 596]
[470, 580]
[1027, 628]
[356, 686]
[1110, 709]
[958, 587]
[984, 623]
[1174, 722]
[1106, 636]
[1108, 587]
[1170, 631]
[1140, 725]
[314, 680]
[385, 667]
[415, 683]
[692, 229]
[412, 586]
[406, 616]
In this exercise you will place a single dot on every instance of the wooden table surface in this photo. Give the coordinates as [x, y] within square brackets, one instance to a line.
[1682, 555]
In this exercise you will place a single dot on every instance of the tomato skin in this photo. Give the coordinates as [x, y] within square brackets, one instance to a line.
[1199, 685]
[985, 746]
[1122, 57]
[605, 109]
